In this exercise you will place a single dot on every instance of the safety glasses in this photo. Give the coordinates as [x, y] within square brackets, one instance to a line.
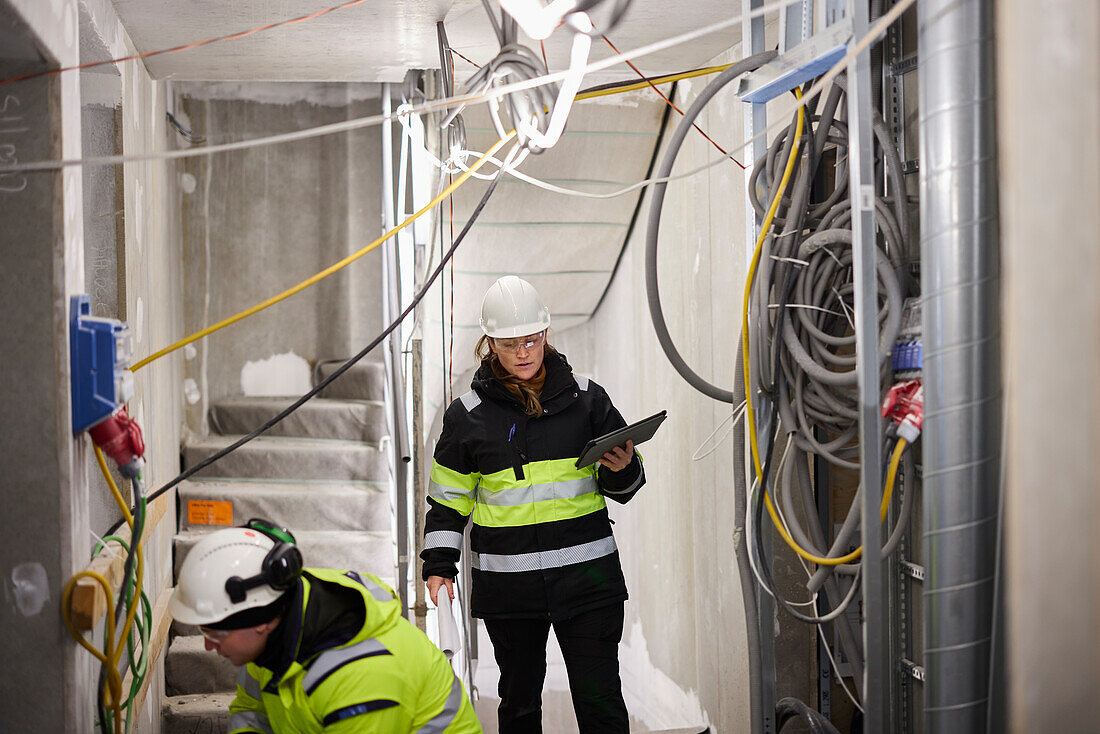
[524, 342]
[214, 635]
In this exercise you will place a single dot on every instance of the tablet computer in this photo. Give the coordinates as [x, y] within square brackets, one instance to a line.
[639, 432]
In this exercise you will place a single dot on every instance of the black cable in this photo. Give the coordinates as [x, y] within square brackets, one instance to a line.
[344, 367]
[641, 197]
[788, 709]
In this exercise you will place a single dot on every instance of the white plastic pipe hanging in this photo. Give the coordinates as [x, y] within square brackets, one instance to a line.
[536, 20]
[578, 60]
[449, 641]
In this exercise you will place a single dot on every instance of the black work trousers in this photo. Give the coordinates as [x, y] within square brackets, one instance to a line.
[590, 645]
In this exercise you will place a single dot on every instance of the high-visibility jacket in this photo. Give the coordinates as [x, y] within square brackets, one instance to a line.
[541, 541]
[384, 676]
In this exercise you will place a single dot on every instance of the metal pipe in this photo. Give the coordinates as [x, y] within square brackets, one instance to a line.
[861, 154]
[391, 307]
[960, 282]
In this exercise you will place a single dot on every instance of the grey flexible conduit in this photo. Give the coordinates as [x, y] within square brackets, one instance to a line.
[654, 223]
[818, 387]
[744, 566]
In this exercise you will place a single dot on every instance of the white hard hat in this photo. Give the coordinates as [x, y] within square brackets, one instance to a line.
[241, 557]
[511, 308]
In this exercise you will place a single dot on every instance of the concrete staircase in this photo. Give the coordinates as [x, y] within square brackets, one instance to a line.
[321, 472]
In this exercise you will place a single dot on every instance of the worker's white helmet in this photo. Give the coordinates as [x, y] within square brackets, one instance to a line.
[512, 308]
[233, 570]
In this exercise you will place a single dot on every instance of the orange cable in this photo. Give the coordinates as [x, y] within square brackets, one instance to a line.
[456, 53]
[670, 102]
[185, 47]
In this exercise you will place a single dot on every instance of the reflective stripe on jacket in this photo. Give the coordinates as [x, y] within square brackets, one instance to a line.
[541, 540]
[387, 678]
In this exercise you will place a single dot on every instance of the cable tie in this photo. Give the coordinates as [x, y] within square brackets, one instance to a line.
[792, 260]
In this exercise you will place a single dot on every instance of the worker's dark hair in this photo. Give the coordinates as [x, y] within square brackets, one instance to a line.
[527, 391]
[255, 616]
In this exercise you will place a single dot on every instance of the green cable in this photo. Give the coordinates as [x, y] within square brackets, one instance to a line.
[143, 623]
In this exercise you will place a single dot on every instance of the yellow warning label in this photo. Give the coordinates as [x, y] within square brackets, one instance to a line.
[209, 512]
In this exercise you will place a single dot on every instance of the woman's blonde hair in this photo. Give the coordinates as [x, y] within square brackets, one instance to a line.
[527, 391]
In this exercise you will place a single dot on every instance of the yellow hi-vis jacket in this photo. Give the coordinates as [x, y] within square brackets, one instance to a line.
[387, 679]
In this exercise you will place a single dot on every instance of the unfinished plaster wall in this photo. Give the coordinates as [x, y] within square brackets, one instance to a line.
[44, 250]
[258, 221]
[683, 654]
[1049, 95]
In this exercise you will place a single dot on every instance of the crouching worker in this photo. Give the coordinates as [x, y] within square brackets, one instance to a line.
[323, 650]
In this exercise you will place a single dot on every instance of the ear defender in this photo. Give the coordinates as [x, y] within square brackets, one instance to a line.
[281, 567]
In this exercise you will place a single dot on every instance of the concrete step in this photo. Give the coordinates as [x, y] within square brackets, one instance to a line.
[307, 504]
[190, 668]
[363, 381]
[358, 551]
[206, 713]
[270, 457]
[353, 420]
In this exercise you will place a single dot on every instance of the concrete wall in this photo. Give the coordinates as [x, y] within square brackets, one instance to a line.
[44, 251]
[258, 221]
[1049, 99]
[684, 653]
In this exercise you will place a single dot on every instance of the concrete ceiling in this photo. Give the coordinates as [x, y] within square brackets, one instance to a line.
[378, 40]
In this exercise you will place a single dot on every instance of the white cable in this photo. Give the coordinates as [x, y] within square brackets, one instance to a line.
[734, 417]
[836, 673]
[587, 195]
[433, 106]
[876, 29]
[809, 574]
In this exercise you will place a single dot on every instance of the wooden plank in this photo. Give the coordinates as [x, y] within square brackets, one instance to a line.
[88, 601]
[88, 604]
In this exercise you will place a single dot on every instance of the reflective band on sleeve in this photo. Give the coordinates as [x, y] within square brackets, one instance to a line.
[378, 591]
[582, 381]
[544, 559]
[514, 496]
[470, 400]
[453, 488]
[443, 539]
[250, 685]
[250, 720]
[332, 660]
[637, 483]
[356, 709]
[439, 723]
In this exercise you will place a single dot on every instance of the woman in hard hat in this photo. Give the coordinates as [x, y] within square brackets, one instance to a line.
[322, 649]
[543, 551]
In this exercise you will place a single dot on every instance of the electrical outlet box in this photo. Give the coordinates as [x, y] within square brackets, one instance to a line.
[908, 357]
[100, 351]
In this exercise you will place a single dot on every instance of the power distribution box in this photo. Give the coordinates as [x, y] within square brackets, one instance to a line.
[100, 353]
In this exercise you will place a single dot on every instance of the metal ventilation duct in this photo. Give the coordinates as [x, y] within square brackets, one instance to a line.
[960, 281]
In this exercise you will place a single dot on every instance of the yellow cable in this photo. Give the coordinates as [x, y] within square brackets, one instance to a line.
[655, 80]
[114, 679]
[750, 415]
[331, 269]
[135, 544]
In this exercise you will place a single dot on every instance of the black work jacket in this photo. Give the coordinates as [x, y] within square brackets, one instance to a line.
[541, 540]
